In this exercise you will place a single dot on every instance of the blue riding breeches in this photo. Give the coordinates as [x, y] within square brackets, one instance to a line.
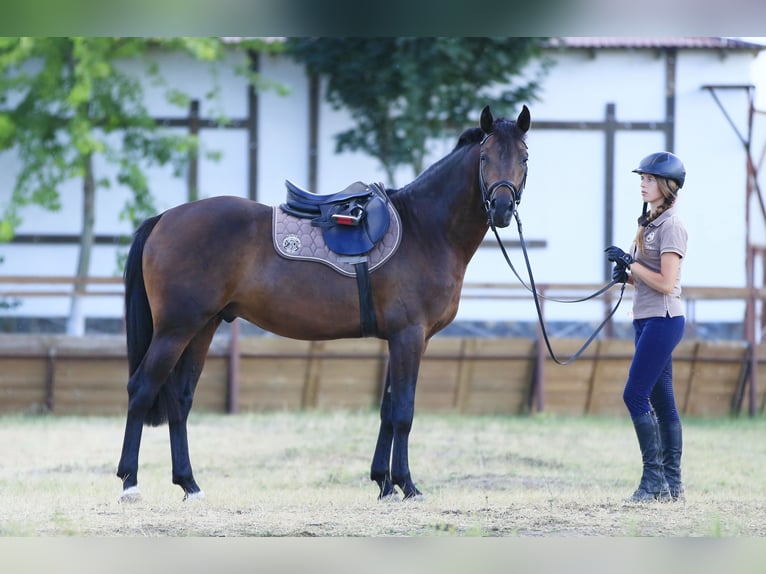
[650, 379]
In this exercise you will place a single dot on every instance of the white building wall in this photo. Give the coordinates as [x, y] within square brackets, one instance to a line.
[563, 203]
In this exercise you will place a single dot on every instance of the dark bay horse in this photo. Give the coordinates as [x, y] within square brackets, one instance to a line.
[204, 262]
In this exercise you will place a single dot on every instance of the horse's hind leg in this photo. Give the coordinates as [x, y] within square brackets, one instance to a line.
[143, 390]
[186, 375]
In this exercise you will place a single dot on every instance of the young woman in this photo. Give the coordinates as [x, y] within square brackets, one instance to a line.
[653, 267]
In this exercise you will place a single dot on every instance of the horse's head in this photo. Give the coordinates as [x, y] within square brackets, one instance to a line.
[503, 165]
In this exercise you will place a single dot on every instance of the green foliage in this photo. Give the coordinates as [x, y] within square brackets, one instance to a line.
[65, 100]
[403, 91]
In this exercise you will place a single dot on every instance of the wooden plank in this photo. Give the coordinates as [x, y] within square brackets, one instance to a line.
[465, 373]
[685, 394]
[211, 394]
[23, 384]
[761, 381]
[610, 373]
[501, 376]
[595, 374]
[344, 382]
[272, 373]
[482, 375]
[565, 387]
[12, 345]
[716, 377]
[438, 376]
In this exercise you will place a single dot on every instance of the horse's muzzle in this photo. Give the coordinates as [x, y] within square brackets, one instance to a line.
[502, 204]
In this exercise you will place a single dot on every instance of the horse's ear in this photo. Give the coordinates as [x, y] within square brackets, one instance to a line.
[523, 121]
[487, 120]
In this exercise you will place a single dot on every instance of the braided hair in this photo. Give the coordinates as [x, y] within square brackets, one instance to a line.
[669, 189]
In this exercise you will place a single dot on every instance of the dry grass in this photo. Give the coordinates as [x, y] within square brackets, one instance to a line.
[306, 475]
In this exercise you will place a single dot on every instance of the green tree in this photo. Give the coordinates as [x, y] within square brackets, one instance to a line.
[65, 101]
[401, 92]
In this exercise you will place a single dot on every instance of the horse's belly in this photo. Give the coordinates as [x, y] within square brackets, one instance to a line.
[302, 300]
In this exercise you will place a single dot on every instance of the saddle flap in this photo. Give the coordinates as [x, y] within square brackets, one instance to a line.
[354, 227]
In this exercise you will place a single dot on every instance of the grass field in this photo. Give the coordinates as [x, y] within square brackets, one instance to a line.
[306, 475]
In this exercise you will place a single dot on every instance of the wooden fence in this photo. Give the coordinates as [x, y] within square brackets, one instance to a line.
[73, 375]
[70, 375]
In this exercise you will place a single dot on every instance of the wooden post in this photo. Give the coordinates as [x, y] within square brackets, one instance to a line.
[50, 380]
[595, 376]
[252, 129]
[232, 399]
[192, 177]
[465, 373]
[314, 93]
[537, 393]
[313, 372]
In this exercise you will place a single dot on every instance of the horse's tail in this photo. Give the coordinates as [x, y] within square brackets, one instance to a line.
[138, 314]
[139, 324]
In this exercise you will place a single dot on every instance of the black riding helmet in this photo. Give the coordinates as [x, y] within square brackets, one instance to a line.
[663, 164]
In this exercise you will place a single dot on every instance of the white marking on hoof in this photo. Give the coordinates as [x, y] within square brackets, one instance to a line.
[130, 495]
[199, 495]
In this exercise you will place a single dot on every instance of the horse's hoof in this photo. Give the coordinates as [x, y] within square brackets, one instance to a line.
[414, 494]
[199, 495]
[392, 496]
[130, 495]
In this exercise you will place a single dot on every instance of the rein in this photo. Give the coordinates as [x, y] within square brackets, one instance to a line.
[487, 192]
[538, 296]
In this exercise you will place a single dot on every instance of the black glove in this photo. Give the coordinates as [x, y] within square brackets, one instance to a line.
[619, 273]
[617, 255]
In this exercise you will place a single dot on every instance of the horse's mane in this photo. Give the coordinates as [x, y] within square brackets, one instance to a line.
[468, 137]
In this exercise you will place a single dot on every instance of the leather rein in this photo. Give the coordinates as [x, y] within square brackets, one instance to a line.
[487, 193]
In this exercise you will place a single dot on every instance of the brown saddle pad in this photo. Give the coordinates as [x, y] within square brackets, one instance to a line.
[295, 238]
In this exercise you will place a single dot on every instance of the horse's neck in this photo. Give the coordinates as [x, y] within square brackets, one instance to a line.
[447, 199]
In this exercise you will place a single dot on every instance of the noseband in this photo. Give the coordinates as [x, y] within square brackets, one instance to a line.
[488, 192]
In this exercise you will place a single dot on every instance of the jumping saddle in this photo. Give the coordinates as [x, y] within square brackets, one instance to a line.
[352, 221]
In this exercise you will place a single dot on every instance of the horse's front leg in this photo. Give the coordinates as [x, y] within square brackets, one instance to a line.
[381, 460]
[405, 352]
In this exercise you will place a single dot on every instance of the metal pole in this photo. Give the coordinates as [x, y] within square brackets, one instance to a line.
[609, 134]
[751, 316]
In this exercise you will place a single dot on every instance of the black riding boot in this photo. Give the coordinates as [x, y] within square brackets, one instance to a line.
[652, 486]
[672, 445]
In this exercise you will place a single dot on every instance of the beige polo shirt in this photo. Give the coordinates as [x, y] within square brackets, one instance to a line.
[666, 234]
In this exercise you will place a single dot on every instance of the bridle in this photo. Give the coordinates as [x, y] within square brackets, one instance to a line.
[488, 191]
[487, 195]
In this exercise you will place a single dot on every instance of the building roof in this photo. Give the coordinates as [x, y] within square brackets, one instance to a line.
[655, 42]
